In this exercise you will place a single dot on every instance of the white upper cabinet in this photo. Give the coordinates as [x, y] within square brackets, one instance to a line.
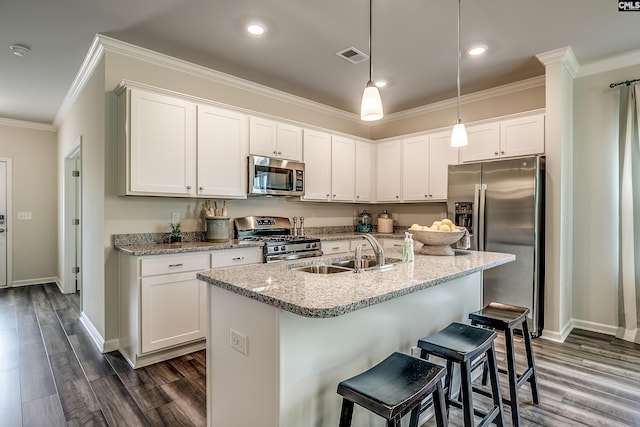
[274, 139]
[441, 155]
[425, 166]
[343, 174]
[364, 171]
[520, 136]
[158, 153]
[222, 152]
[389, 171]
[415, 168]
[177, 148]
[317, 165]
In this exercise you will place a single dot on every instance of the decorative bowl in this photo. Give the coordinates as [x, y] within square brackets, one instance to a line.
[437, 242]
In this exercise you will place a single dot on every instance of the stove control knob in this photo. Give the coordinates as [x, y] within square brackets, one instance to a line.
[282, 248]
[275, 248]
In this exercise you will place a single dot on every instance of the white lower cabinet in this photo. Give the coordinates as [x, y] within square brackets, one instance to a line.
[173, 311]
[163, 305]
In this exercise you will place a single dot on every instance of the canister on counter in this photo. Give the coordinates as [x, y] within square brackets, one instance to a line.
[385, 222]
[217, 228]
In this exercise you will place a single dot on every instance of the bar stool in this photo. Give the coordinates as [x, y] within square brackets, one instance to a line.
[507, 318]
[463, 344]
[393, 388]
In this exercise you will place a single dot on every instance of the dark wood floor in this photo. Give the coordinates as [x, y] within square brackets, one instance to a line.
[51, 374]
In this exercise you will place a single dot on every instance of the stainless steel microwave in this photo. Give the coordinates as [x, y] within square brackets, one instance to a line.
[275, 177]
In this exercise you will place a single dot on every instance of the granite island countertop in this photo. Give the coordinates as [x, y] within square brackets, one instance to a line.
[330, 295]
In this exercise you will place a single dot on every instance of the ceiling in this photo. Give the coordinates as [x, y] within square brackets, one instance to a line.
[414, 44]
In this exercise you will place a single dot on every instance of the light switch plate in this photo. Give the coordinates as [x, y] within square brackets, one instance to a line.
[175, 217]
[24, 216]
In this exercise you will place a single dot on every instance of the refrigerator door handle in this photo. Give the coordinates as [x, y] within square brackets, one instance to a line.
[481, 221]
[474, 220]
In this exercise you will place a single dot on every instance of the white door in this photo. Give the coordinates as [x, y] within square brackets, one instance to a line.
[3, 223]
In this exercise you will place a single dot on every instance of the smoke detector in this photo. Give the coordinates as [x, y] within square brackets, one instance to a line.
[353, 55]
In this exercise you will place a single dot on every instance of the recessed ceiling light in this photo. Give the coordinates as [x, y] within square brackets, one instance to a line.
[477, 50]
[380, 83]
[20, 50]
[256, 29]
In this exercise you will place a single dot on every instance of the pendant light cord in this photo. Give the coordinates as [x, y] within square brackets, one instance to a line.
[370, 31]
[458, 78]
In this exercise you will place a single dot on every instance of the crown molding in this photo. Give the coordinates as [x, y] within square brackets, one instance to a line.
[140, 53]
[564, 55]
[482, 95]
[91, 61]
[28, 125]
[627, 59]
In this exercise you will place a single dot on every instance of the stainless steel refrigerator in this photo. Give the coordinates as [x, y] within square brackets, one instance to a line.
[502, 204]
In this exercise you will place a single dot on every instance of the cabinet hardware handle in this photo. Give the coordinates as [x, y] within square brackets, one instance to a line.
[335, 248]
[334, 195]
[175, 265]
[502, 152]
[275, 152]
[495, 153]
[327, 195]
[357, 197]
[279, 153]
[188, 187]
[397, 197]
[201, 188]
[238, 258]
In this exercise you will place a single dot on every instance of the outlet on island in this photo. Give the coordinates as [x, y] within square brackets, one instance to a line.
[239, 341]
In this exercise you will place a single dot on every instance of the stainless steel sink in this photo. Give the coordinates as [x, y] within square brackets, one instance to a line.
[323, 269]
[351, 263]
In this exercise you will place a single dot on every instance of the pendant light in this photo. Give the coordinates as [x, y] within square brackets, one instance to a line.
[459, 133]
[371, 108]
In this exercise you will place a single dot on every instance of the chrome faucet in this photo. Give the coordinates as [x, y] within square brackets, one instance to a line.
[358, 261]
[377, 248]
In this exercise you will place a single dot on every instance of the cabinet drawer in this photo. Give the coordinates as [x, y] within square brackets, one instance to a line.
[232, 257]
[174, 264]
[335, 247]
[392, 243]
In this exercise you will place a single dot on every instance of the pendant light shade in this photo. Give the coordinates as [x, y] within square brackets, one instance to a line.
[371, 107]
[459, 133]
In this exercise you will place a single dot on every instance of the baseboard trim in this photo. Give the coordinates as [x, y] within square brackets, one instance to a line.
[39, 281]
[594, 327]
[558, 336]
[96, 336]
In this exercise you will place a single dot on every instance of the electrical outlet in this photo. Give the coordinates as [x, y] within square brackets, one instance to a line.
[415, 351]
[239, 342]
[175, 217]
[394, 215]
[24, 216]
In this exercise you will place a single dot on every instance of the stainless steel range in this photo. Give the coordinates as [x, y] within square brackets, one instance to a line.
[280, 243]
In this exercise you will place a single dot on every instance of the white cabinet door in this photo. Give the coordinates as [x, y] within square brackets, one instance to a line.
[222, 153]
[441, 155]
[173, 310]
[415, 168]
[317, 166]
[273, 139]
[162, 145]
[522, 136]
[364, 171]
[388, 171]
[262, 137]
[289, 141]
[484, 142]
[343, 174]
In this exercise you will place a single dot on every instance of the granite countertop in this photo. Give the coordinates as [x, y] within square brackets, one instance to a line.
[133, 246]
[177, 248]
[330, 295]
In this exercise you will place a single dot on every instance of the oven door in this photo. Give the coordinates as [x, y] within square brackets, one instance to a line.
[275, 177]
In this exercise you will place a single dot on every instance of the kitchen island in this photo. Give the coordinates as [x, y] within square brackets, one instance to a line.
[280, 339]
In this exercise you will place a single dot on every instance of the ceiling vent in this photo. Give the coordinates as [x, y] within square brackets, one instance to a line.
[353, 55]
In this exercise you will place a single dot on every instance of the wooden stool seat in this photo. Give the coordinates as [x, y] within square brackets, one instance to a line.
[507, 318]
[393, 388]
[462, 344]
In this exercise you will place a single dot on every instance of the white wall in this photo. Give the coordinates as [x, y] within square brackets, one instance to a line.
[595, 220]
[86, 119]
[31, 148]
